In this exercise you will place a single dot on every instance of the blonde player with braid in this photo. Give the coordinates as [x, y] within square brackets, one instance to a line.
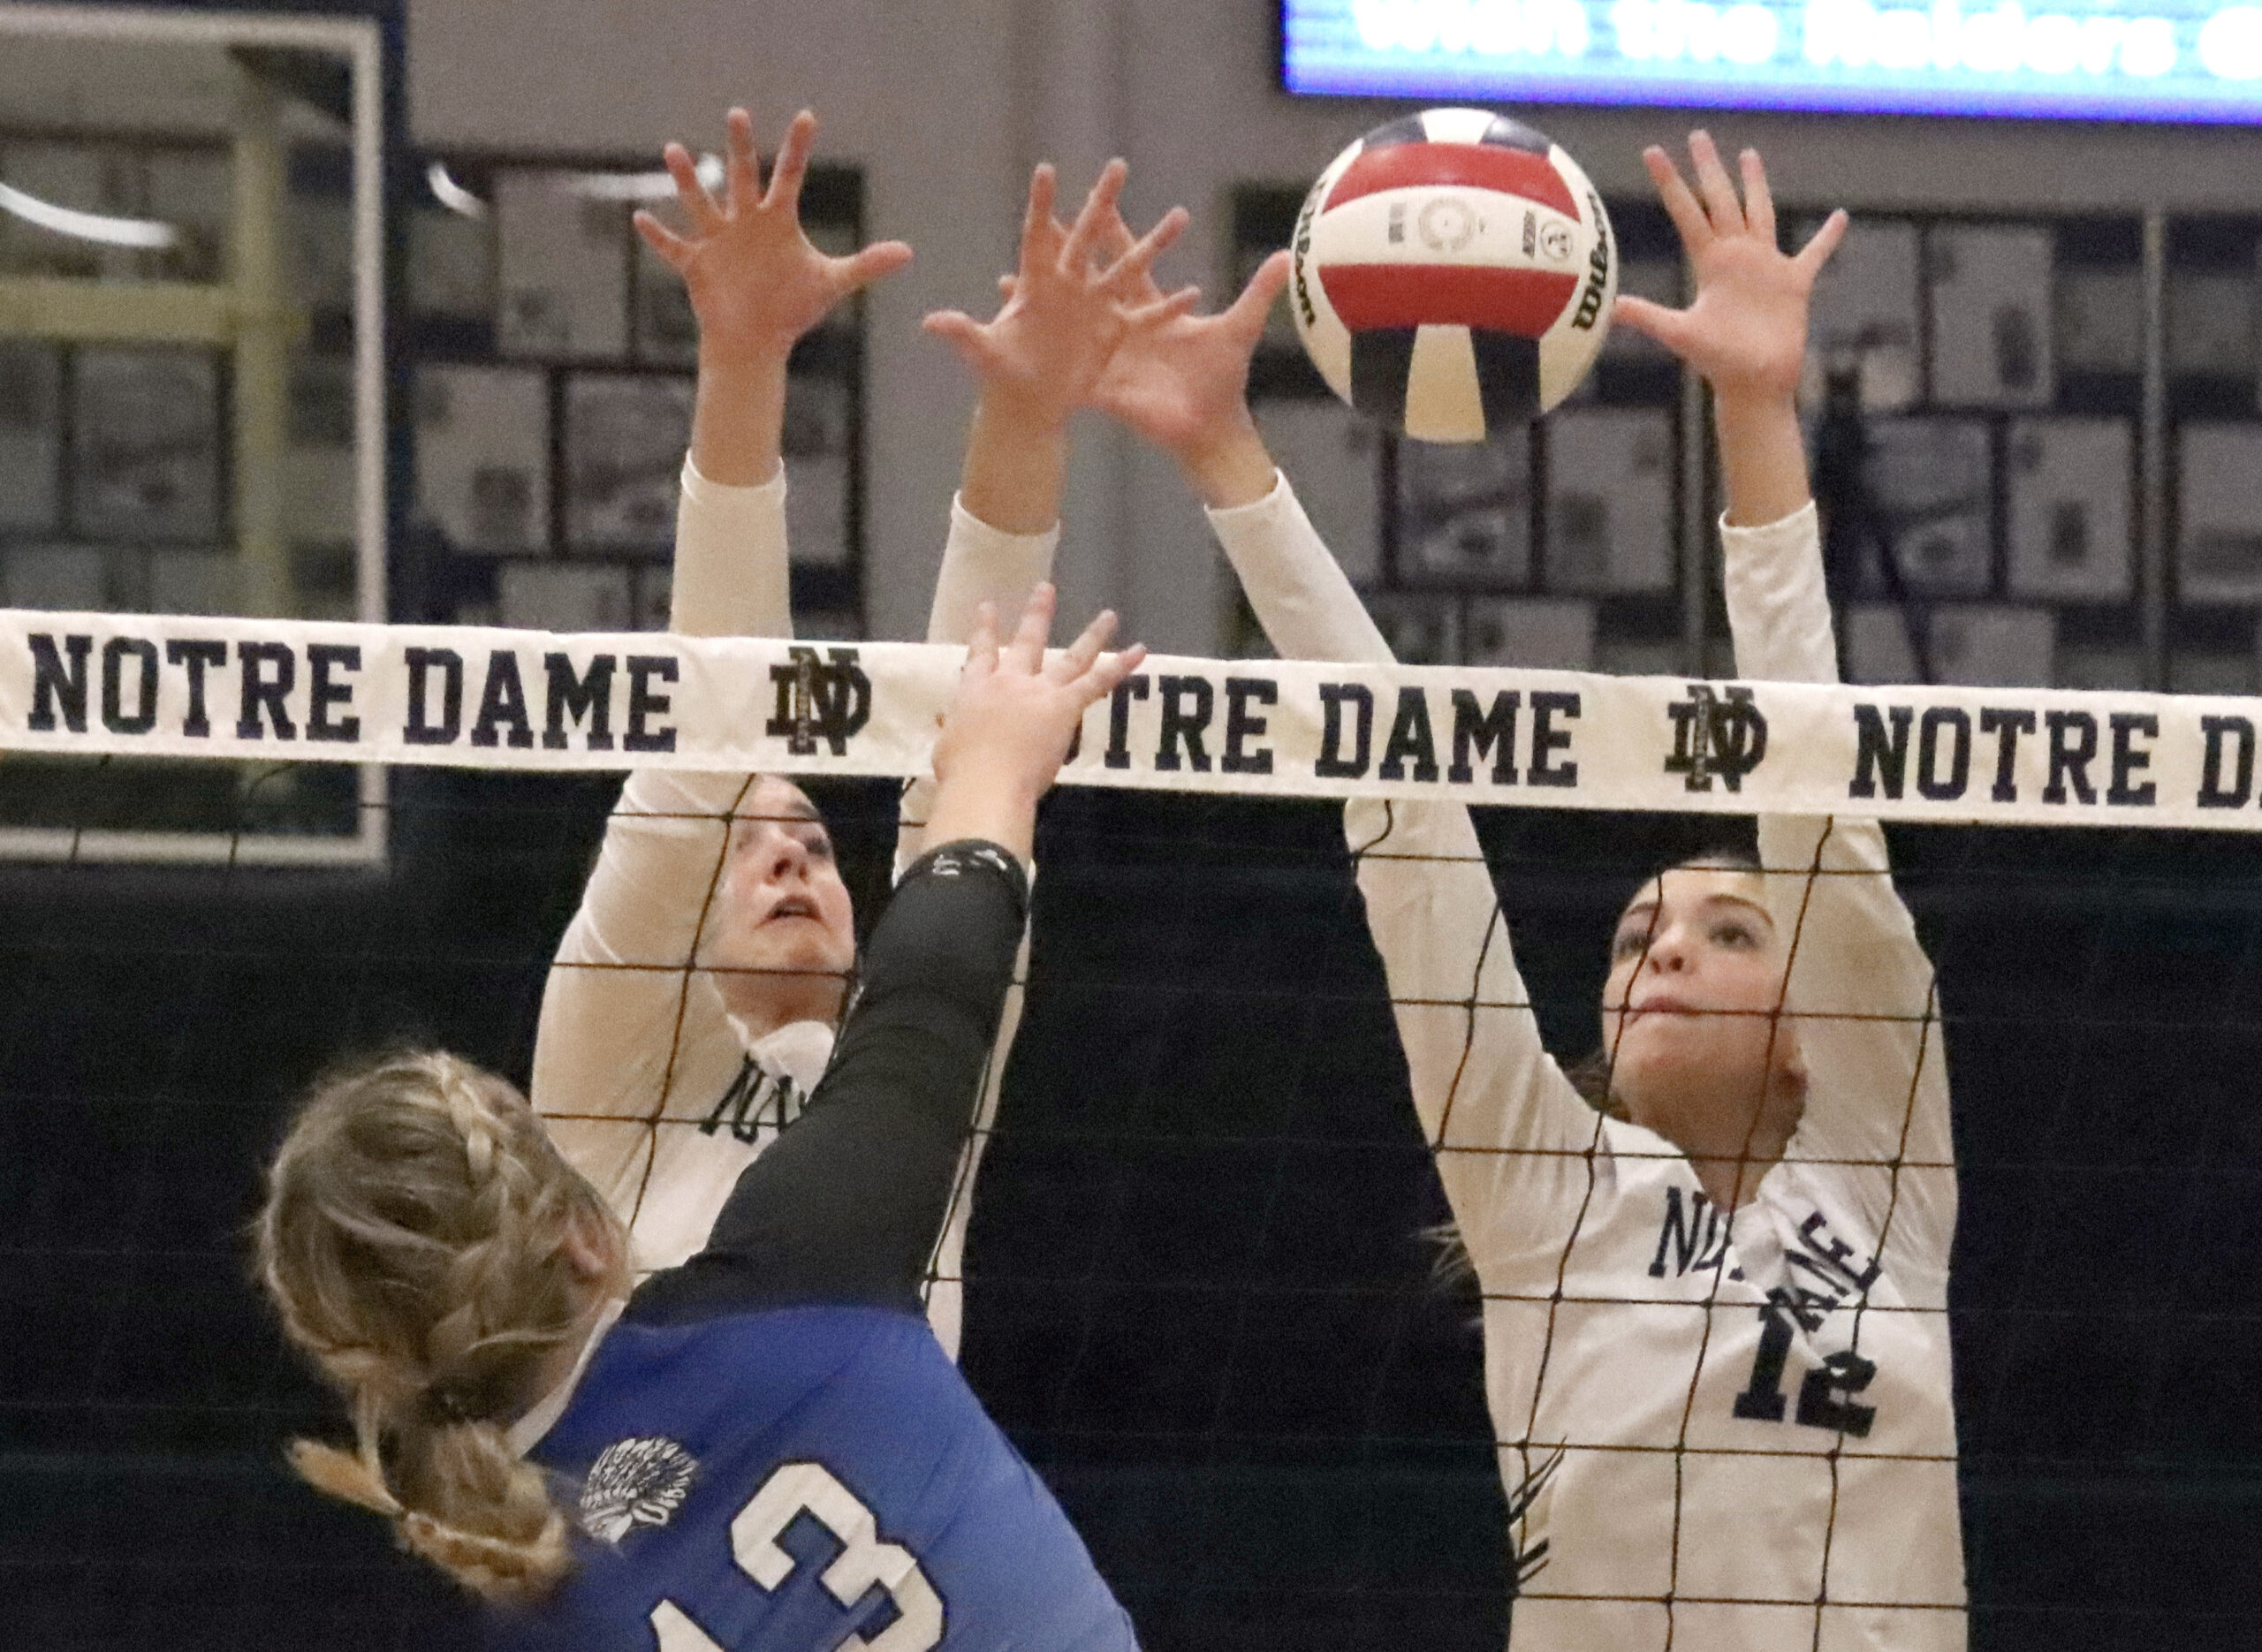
[692, 1006]
[622, 1465]
[1715, 1280]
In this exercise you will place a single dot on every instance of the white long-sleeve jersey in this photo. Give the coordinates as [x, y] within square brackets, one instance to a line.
[1732, 1439]
[648, 1085]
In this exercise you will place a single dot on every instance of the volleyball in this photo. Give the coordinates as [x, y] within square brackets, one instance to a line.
[1453, 273]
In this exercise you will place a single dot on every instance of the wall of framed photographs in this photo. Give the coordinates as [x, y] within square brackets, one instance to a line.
[2061, 426]
[551, 359]
[192, 387]
[116, 473]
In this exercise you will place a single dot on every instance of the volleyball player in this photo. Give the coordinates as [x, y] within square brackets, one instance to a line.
[691, 1007]
[1716, 1345]
[469, 1294]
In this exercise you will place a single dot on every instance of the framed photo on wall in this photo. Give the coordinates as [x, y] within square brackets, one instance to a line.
[1932, 482]
[1609, 507]
[1989, 288]
[2069, 483]
[626, 434]
[1464, 512]
[1865, 317]
[483, 456]
[1535, 632]
[561, 267]
[146, 444]
[2219, 512]
[1333, 458]
[31, 437]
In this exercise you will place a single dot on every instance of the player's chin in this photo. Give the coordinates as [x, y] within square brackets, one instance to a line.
[1685, 1048]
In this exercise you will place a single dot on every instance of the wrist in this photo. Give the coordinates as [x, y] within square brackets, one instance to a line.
[754, 360]
[1015, 467]
[1763, 456]
[1741, 404]
[1008, 414]
[1227, 465]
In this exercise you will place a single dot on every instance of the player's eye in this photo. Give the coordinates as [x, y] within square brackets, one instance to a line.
[1734, 934]
[1632, 941]
[819, 845]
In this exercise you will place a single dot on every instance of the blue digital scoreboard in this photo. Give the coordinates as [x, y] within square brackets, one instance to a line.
[2160, 60]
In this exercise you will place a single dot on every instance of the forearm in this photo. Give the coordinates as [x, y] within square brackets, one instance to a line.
[1301, 595]
[1763, 456]
[732, 577]
[738, 420]
[1016, 461]
[847, 1203]
[1228, 466]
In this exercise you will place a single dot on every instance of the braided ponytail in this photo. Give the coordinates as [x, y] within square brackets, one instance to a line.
[414, 1240]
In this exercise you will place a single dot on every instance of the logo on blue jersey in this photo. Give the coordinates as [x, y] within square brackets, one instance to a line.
[634, 1483]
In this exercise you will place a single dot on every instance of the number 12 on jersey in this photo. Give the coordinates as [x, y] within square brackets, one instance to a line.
[1825, 1399]
[864, 1562]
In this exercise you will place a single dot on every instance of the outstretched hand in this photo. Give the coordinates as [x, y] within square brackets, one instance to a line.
[1067, 306]
[1746, 329]
[1013, 719]
[755, 282]
[1181, 381]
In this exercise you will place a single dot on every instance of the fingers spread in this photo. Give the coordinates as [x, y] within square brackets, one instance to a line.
[1026, 652]
[1169, 308]
[1758, 200]
[966, 335]
[1817, 251]
[1114, 236]
[1040, 231]
[1110, 671]
[792, 164]
[1262, 292]
[698, 205]
[743, 176]
[1076, 659]
[1668, 326]
[1680, 205]
[1727, 212]
[1133, 265]
[1099, 205]
[861, 269]
[670, 245]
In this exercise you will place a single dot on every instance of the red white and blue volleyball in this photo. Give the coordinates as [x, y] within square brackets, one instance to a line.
[1454, 274]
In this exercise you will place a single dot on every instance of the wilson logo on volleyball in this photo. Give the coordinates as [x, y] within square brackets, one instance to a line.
[828, 698]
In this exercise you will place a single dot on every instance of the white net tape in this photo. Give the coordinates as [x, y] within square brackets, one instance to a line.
[174, 686]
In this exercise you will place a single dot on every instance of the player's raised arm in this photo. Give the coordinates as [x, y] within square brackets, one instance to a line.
[1066, 310]
[631, 1034]
[1482, 1081]
[1860, 987]
[849, 1204]
[1034, 360]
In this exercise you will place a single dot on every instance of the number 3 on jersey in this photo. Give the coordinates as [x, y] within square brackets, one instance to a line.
[800, 1488]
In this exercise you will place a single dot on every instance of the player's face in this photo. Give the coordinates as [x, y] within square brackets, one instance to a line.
[1696, 973]
[784, 935]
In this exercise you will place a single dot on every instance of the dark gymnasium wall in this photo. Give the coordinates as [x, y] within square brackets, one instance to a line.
[1200, 1295]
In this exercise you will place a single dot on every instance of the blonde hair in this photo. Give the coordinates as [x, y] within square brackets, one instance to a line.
[414, 1240]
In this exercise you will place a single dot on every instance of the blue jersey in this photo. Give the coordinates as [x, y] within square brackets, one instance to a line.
[801, 1480]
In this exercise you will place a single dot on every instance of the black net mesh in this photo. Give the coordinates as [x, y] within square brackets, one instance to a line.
[1203, 1291]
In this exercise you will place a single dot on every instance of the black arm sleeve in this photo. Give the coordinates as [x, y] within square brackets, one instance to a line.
[845, 1205]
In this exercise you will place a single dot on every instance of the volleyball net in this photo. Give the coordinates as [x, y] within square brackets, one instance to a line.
[1202, 1291]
